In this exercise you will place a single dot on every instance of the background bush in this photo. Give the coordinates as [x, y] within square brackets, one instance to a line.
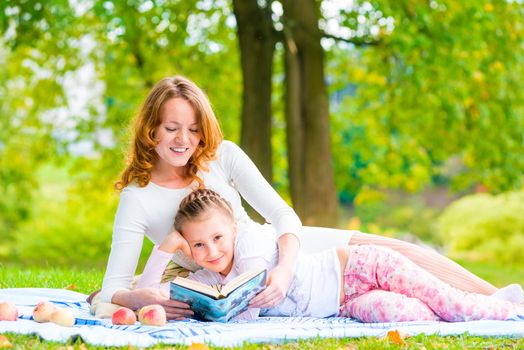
[485, 227]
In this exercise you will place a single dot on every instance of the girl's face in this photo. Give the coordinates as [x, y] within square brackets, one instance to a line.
[212, 241]
[178, 134]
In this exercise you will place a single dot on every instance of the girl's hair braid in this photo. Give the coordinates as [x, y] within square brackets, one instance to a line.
[197, 204]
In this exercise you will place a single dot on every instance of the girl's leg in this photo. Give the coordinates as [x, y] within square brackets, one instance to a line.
[372, 267]
[438, 265]
[383, 306]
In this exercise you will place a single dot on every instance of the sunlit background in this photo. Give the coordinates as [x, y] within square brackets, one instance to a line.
[426, 116]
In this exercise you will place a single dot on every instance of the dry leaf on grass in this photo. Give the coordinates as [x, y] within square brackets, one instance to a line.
[198, 346]
[4, 342]
[397, 337]
[71, 287]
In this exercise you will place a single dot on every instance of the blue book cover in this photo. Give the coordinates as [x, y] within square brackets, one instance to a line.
[219, 303]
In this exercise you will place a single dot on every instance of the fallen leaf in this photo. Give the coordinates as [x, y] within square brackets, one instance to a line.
[397, 337]
[4, 342]
[198, 346]
[71, 287]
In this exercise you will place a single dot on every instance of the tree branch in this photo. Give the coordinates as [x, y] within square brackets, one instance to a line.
[354, 41]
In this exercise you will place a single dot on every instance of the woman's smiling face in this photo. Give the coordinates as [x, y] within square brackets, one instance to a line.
[178, 134]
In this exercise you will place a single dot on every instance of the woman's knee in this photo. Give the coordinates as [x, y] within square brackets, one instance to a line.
[409, 250]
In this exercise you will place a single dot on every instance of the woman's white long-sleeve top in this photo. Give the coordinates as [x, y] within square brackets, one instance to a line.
[150, 211]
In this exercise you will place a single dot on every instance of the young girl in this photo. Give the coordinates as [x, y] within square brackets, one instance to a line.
[367, 282]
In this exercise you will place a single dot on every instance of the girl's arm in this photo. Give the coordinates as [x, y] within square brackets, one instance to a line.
[159, 259]
[154, 269]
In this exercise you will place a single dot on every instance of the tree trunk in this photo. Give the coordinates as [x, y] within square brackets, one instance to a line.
[257, 40]
[310, 164]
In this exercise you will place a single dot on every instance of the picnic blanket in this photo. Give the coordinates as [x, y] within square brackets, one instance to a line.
[98, 331]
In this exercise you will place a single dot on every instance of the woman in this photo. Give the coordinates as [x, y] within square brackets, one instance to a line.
[178, 146]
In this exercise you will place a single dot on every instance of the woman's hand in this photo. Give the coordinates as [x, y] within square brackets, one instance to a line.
[138, 298]
[173, 242]
[280, 277]
[278, 282]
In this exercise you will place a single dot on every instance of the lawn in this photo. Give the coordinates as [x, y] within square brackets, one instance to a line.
[85, 281]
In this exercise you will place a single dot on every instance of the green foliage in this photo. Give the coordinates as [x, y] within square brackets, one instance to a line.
[74, 232]
[486, 227]
[37, 50]
[442, 82]
[117, 50]
[397, 213]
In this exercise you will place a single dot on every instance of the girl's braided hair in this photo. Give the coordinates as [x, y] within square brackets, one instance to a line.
[199, 202]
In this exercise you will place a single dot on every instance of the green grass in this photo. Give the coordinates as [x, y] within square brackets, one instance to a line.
[498, 274]
[82, 281]
[85, 281]
[418, 342]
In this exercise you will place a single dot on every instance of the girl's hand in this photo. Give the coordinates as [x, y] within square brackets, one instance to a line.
[138, 298]
[173, 242]
[278, 282]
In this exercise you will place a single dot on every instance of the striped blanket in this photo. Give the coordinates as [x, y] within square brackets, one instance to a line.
[267, 329]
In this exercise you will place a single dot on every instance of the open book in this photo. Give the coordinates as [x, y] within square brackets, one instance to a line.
[219, 302]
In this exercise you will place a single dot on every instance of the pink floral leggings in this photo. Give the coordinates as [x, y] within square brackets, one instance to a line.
[381, 285]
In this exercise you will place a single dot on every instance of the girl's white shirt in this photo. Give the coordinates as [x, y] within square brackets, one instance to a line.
[150, 211]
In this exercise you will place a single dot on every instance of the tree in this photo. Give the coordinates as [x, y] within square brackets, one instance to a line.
[309, 156]
[307, 111]
[256, 38]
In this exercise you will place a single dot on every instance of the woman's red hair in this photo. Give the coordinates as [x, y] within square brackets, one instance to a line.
[142, 155]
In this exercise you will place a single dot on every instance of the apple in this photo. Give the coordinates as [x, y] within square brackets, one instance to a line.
[152, 315]
[8, 311]
[43, 310]
[63, 317]
[123, 315]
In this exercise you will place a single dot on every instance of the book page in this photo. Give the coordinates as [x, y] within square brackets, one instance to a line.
[240, 280]
[212, 291]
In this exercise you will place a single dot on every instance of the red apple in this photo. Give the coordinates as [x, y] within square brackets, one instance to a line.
[152, 315]
[8, 311]
[63, 317]
[43, 310]
[123, 315]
